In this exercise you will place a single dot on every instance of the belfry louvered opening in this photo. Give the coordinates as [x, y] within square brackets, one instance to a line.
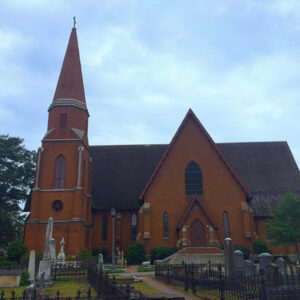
[193, 179]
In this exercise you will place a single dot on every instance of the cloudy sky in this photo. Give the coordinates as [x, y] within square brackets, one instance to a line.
[145, 63]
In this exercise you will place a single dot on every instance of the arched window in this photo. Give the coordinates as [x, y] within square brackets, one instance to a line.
[104, 227]
[193, 179]
[60, 170]
[166, 224]
[226, 224]
[133, 227]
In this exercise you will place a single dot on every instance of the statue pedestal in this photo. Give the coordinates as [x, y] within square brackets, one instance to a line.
[45, 266]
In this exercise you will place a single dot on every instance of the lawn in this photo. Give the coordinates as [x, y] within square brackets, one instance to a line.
[145, 269]
[66, 287]
[145, 288]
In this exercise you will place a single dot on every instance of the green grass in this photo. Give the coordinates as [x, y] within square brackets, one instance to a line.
[145, 288]
[143, 269]
[66, 287]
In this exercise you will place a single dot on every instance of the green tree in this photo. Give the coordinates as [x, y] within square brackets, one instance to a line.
[15, 250]
[17, 167]
[285, 224]
[136, 253]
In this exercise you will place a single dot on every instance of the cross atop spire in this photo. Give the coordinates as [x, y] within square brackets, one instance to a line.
[74, 18]
[70, 82]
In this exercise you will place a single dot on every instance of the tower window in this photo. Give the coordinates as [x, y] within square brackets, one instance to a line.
[193, 179]
[60, 170]
[133, 227]
[62, 120]
[226, 224]
[166, 224]
[104, 227]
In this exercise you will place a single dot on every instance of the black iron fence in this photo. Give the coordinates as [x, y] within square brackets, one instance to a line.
[71, 269]
[35, 295]
[109, 288]
[211, 281]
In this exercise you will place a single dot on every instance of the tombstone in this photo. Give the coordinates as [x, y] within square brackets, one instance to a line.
[45, 263]
[46, 254]
[61, 255]
[282, 266]
[239, 263]
[250, 268]
[40, 282]
[52, 249]
[272, 274]
[228, 253]
[100, 261]
[31, 266]
[264, 260]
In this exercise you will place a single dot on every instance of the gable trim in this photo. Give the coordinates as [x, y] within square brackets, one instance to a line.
[190, 114]
[188, 209]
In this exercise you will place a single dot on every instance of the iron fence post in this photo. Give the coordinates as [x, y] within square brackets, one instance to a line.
[186, 278]
[222, 296]
[262, 286]
[193, 280]
[168, 274]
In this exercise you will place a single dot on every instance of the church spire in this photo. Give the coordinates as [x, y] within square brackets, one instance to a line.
[70, 82]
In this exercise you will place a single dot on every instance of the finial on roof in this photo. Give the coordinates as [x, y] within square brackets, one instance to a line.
[74, 18]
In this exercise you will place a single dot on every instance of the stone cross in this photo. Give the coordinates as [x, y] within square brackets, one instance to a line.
[46, 255]
[282, 266]
[61, 255]
[264, 260]
[228, 253]
[31, 266]
[239, 263]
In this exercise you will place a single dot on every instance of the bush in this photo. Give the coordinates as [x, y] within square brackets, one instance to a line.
[84, 253]
[260, 246]
[136, 253]
[162, 252]
[95, 252]
[4, 263]
[24, 278]
[15, 250]
[245, 250]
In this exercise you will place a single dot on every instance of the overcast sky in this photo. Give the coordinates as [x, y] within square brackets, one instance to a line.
[145, 63]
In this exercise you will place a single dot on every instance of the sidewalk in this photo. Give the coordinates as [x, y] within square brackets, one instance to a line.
[167, 289]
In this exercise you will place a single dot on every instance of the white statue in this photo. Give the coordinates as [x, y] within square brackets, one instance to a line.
[61, 255]
[52, 249]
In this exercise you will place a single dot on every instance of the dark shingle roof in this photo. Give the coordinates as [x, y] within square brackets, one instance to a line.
[119, 173]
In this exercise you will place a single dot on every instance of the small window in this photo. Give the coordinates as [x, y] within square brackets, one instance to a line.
[63, 121]
[60, 170]
[193, 179]
[226, 224]
[133, 227]
[104, 227]
[166, 224]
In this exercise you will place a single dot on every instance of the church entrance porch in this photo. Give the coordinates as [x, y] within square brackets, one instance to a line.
[198, 236]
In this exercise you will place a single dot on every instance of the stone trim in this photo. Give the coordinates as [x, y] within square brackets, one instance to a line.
[41, 149]
[68, 102]
[73, 220]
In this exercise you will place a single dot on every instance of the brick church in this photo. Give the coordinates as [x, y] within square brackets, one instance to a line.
[191, 192]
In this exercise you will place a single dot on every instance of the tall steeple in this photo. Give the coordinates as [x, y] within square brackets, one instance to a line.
[70, 82]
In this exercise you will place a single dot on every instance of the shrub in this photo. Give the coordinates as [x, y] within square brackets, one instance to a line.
[245, 250]
[84, 253]
[260, 246]
[4, 263]
[15, 250]
[69, 257]
[95, 252]
[162, 252]
[136, 253]
[24, 278]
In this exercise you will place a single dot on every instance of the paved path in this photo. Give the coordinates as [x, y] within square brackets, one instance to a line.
[167, 289]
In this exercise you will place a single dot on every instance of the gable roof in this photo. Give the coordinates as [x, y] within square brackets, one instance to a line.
[188, 209]
[190, 114]
[119, 174]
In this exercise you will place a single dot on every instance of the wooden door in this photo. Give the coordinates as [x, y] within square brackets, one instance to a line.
[198, 238]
